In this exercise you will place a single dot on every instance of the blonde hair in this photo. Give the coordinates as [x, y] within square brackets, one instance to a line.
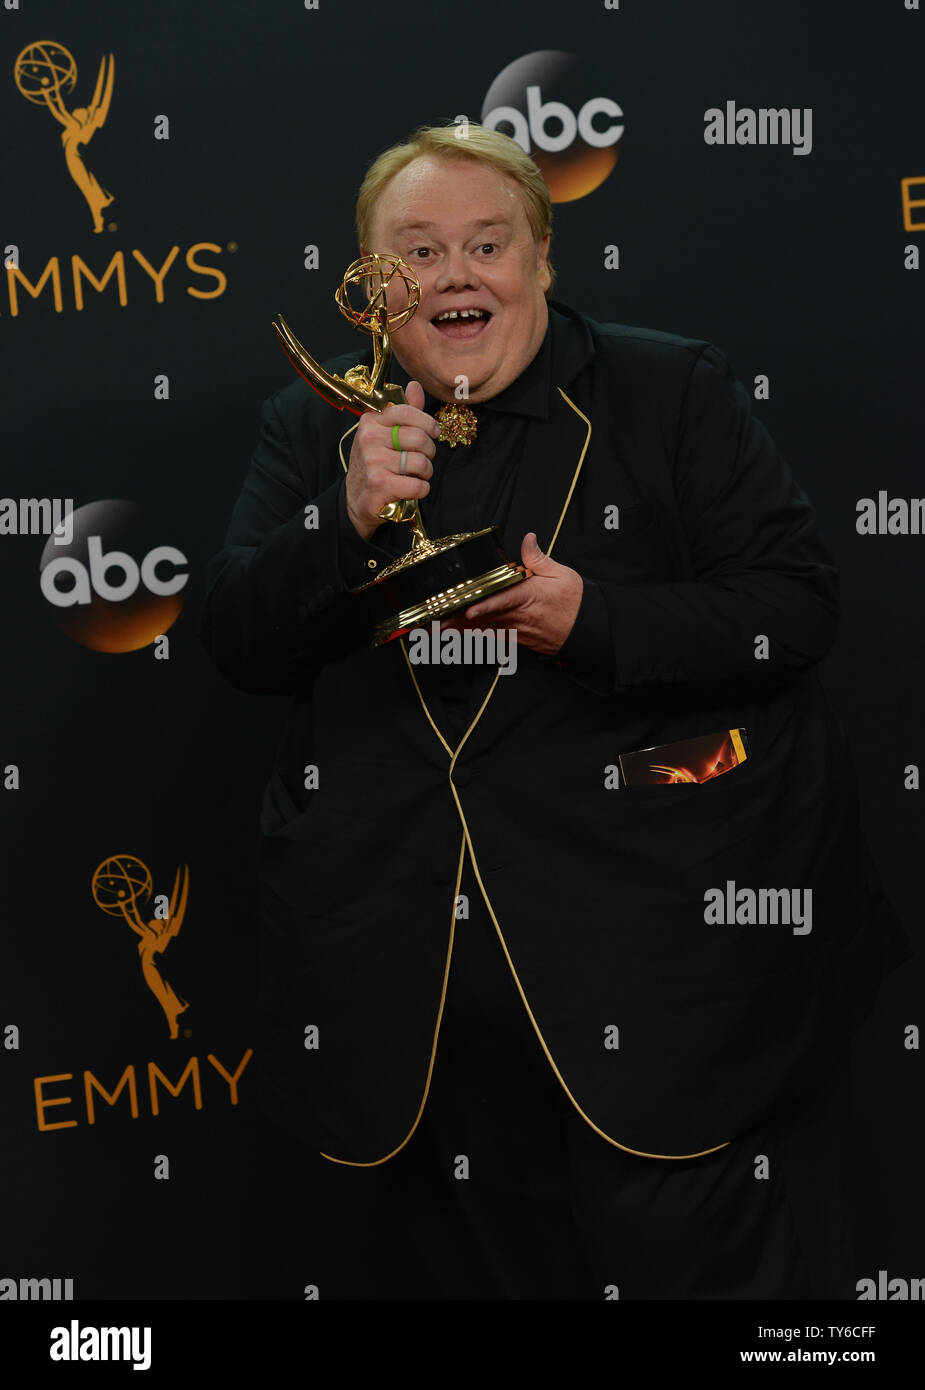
[479, 144]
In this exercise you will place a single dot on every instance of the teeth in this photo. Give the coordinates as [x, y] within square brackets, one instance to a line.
[461, 313]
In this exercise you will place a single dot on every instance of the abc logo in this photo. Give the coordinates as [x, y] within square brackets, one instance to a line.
[111, 589]
[543, 101]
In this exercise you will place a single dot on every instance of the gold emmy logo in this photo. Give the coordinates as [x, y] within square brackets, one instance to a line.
[118, 885]
[44, 73]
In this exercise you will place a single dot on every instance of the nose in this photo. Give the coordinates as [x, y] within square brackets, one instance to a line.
[457, 272]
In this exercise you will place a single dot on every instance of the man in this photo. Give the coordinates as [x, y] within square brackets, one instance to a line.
[564, 1070]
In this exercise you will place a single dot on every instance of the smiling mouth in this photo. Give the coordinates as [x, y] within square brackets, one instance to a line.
[461, 323]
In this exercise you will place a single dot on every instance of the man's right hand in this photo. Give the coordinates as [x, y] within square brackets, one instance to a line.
[372, 473]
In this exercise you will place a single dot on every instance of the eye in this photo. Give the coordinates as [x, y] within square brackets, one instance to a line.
[488, 246]
[421, 251]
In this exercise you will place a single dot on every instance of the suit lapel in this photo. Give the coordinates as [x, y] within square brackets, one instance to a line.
[554, 453]
[543, 487]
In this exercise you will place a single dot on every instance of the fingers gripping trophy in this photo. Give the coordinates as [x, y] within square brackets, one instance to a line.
[436, 577]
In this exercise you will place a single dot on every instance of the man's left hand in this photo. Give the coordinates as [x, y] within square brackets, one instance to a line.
[542, 608]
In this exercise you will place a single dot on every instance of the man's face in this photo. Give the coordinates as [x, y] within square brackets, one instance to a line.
[462, 228]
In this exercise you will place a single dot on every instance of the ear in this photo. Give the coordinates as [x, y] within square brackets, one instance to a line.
[542, 263]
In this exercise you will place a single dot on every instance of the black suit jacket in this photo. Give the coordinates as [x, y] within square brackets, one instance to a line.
[597, 894]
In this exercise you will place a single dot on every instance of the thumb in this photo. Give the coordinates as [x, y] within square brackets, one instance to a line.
[533, 557]
[414, 394]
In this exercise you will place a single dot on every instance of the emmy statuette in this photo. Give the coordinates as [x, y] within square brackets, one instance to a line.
[435, 577]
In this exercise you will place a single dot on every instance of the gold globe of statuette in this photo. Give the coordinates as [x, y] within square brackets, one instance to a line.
[366, 272]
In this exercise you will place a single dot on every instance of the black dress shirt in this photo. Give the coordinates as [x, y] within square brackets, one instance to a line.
[471, 488]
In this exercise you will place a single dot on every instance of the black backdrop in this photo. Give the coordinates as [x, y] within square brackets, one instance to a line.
[797, 265]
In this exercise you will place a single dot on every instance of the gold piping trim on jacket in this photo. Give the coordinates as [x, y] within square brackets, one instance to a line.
[479, 713]
[491, 690]
[374, 1163]
[402, 643]
[468, 840]
[581, 460]
[640, 1153]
